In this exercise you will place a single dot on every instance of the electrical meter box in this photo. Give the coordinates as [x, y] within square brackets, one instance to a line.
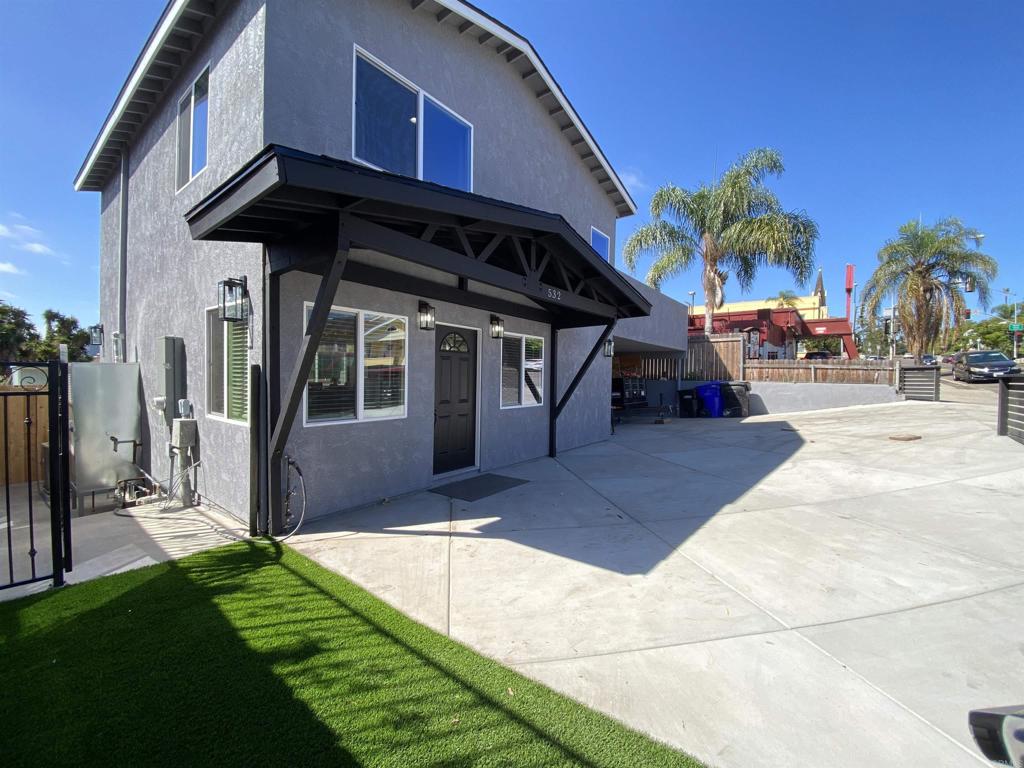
[171, 382]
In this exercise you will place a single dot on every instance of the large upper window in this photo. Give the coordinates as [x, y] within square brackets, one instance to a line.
[193, 129]
[522, 371]
[359, 371]
[399, 128]
[600, 242]
[227, 368]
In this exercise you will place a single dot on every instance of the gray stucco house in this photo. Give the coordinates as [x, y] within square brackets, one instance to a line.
[420, 225]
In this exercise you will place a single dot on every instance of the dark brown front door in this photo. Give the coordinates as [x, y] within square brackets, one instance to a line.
[454, 399]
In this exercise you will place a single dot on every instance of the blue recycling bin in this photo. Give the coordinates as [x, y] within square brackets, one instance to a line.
[710, 395]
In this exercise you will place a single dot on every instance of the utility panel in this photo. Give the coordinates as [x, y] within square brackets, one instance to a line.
[171, 379]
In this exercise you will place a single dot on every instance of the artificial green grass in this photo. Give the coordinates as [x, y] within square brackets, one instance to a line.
[251, 654]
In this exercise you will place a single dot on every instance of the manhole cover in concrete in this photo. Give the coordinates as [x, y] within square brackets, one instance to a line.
[904, 438]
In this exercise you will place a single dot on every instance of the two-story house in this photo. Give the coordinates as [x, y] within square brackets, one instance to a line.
[383, 236]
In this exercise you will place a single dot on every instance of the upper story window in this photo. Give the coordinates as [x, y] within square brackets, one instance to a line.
[397, 127]
[193, 129]
[600, 242]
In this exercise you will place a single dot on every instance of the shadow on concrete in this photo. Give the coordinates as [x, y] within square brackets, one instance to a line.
[623, 504]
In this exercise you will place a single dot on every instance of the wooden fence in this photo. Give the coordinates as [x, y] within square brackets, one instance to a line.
[719, 356]
[832, 371]
[20, 441]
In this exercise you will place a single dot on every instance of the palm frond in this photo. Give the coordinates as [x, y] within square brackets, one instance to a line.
[659, 238]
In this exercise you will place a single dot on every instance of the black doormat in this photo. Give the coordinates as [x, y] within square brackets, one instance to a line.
[479, 487]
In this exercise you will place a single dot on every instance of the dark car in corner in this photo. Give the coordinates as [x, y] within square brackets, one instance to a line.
[983, 366]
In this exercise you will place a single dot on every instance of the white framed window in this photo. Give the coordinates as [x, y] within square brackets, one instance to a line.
[522, 371]
[398, 127]
[600, 242]
[227, 368]
[360, 371]
[193, 129]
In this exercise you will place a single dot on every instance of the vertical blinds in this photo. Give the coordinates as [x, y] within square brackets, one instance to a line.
[511, 369]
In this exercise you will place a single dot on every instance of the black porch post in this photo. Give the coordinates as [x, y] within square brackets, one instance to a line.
[293, 395]
[571, 389]
[553, 395]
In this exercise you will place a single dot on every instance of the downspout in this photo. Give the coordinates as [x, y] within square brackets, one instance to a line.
[120, 344]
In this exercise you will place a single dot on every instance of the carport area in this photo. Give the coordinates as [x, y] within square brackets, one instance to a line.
[798, 590]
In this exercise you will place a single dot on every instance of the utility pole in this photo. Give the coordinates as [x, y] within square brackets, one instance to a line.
[1007, 293]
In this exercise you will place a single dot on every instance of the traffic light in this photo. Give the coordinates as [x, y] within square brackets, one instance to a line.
[967, 314]
[887, 326]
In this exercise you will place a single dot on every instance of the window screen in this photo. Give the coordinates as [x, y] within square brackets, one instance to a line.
[533, 392]
[511, 370]
[385, 114]
[446, 147]
[331, 389]
[383, 365]
[215, 363]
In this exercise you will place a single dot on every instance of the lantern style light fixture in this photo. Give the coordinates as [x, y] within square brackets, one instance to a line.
[96, 334]
[609, 347]
[231, 296]
[497, 327]
[425, 316]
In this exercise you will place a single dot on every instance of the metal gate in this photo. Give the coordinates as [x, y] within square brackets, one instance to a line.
[1010, 412]
[920, 382]
[35, 462]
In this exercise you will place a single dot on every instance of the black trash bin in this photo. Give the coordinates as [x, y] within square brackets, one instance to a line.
[736, 395]
[687, 403]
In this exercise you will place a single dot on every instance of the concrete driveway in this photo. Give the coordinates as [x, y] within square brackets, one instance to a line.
[778, 591]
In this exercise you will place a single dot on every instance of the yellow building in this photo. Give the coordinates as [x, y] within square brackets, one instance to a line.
[812, 307]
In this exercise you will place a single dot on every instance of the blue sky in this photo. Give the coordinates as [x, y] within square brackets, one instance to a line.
[883, 111]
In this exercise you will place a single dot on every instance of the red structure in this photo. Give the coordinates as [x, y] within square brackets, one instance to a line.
[778, 327]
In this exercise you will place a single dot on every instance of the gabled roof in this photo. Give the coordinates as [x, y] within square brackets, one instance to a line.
[184, 22]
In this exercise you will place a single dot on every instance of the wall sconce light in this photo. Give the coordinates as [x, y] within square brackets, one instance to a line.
[96, 334]
[609, 347]
[497, 327]
[231, 297]
[425, 316]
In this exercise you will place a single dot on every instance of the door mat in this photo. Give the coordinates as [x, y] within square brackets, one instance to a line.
[479, 487]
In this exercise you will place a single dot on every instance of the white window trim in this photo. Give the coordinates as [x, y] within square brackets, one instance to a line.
[190, 94]
[358, 51]
[479, 389]
[360, 417]
[594, 229]
[522, 371]
[210, 414]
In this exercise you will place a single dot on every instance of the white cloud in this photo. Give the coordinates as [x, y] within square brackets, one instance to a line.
[24, 230]
[9, 269]
[5, 231]
[8, 295]
[15, 215]
[39, 248]
[634, 179]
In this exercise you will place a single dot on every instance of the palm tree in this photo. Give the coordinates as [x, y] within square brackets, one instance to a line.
[735, 224]
[784, 299]
[924, 271]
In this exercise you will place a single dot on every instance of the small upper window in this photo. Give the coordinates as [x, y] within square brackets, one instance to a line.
[399, 128]
[600, 242]
[193, 129]
[454, 342]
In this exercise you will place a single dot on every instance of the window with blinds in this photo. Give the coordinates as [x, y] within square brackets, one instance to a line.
[227, 368]
[522, 371]
[359, 371]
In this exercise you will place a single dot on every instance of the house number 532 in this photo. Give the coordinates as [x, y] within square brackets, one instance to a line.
[554, 293]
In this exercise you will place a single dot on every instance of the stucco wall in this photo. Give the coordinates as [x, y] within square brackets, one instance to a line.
[666, 325]
[520, 155]
[777, 397]
[110, 235]
[170, 278]
[361, 461]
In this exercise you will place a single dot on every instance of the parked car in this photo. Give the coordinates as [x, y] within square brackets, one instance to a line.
[948, 358]
[821, 355]
[929, 360]
[983, 366]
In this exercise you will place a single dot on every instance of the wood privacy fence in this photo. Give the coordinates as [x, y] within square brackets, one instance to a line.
[25, 421]
[832, 371]
[719, 356]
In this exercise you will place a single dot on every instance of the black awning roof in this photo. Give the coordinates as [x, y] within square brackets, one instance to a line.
[295, 201]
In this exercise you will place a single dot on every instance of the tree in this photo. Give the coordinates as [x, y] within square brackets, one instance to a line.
[736, 224]
[783, 299]
[60, 329]
[821, 344]
[16, 332]
[925, 269]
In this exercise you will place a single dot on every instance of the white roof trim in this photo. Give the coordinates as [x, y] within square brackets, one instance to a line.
[128, 93]
[505, 35]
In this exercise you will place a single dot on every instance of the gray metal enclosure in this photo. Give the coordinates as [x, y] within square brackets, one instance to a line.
[920, 382]
[1010, 409]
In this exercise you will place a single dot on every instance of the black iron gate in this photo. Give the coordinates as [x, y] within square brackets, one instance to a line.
[35, 461]
[1010, 412]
